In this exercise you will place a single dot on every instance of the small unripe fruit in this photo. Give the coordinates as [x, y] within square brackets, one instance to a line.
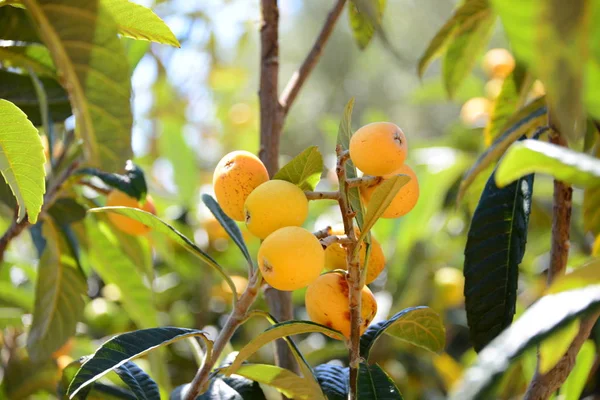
[406, 198]
[126, 224]
[449, 283]
[273, 205]
[291, 258]
[493, 88]
[378, 149]
[335, 257]
[235, 177]
[475, 113]
[498, 63]
[327, 303]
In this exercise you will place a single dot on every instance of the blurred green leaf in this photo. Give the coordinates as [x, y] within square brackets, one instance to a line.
[279, 331]
[554, 347]
[20, 90]
[138, 381]
[304, 170]
[113, 266]
[539, 321]
[467, 18]
[22, 160]
[24, 378]
[16, 296]
[380, 200]
[575, 383]
[125, 347]
[361, 25]
[419, 326]
[16, 25]
[591, 205]
[66, 210]
[160, 226]
[564, 164]
[135, 50]
[93, 64]
[285, 381]
[433, 91]
[132, 183]
[582, 276]
[10, 317]
[375, 384]
[139, 22]
[229, 225]
[59, 296]
[525, 122]
[32, 56]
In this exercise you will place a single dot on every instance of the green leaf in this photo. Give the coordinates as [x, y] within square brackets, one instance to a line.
[506, 104]
[285, 381]
[380, 200]
[587, 274]
[20, 90]
[591, 205]
[361, 25]
[224, 388]
[113, 266]
[419, 326]
[575, 383]
[466, 45]
[470, 14]
[138, 381]
[16, 296]
[32, 56]
[11, 317]
[524, 122]
[139, 22]
[375, 384]
[304, 170]
[23, 378]
[160, 226]
[136, 50]
[92, 61]
[279, 331]
[553, 348]
[343, 140]
[132, 183]
[230, 226]
[495, 248]
[67, 210]
[59, 296]
[16, 25]
[123, 348]
[22, 160]
[334, 381]
[544, 317]
[564, 164]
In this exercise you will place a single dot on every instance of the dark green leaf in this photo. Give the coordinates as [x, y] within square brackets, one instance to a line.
[304, 170]
[524, 122]
[19, 90]
[92, 62]
[33, 56]
[228, 224]
[133, 182]
[495, 247]
[375, 384]
[362, 28]
[138, 381]
[59, 296]
[564, 164]
[16, 25]
[224, 388]
[67, 210]
[122, 348]
[419, 326]
[23, 378]
[110, 392]
[466, 18]
[468, 42]
[334, 381]
[538, 322]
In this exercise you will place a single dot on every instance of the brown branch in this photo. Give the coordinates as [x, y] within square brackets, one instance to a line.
[323, 233]
[322, 195]
[297, 81]
[544, 385]
[341, 239]
[365, 181]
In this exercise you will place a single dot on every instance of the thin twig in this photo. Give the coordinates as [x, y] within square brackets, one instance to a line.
[323, 233]
[365, 181]
[333, 239]
[297, 81]
[322, 195]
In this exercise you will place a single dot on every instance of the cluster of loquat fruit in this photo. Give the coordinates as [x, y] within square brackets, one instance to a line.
[290, 256]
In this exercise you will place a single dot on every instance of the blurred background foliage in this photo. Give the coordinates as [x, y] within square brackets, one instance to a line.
[194, 104]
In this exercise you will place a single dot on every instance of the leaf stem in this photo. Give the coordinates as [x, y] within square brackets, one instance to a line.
[365, 181]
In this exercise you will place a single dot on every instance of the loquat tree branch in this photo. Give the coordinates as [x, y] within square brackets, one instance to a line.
[365, 181]
[323, 233]
[322, 195]
[333, 239]
[297, 81]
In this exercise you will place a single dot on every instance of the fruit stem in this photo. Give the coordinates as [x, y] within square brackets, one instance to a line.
[236, 318]
[323, 233]
[329, 240]
[365, 181]
[322, 195]
[353, 275]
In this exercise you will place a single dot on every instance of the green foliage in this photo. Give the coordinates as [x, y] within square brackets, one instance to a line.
[419, 326]
[374, 383]
[304, 170]
[566, 165]
[33, 56]
[133, 182]
[123, 348]
[285, 381]
[22, 160]
[495, 248]
[16, 25]
[138, 381]
[92, 61]
[361, 19]
[225, 388]
[547, 315]
[575, 383]
[591, 205]
[334, 381]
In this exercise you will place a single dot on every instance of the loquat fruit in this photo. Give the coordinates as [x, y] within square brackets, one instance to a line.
[475, 113]
[378, 148]
[126, 224]
[404, 201]
[498, 63]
